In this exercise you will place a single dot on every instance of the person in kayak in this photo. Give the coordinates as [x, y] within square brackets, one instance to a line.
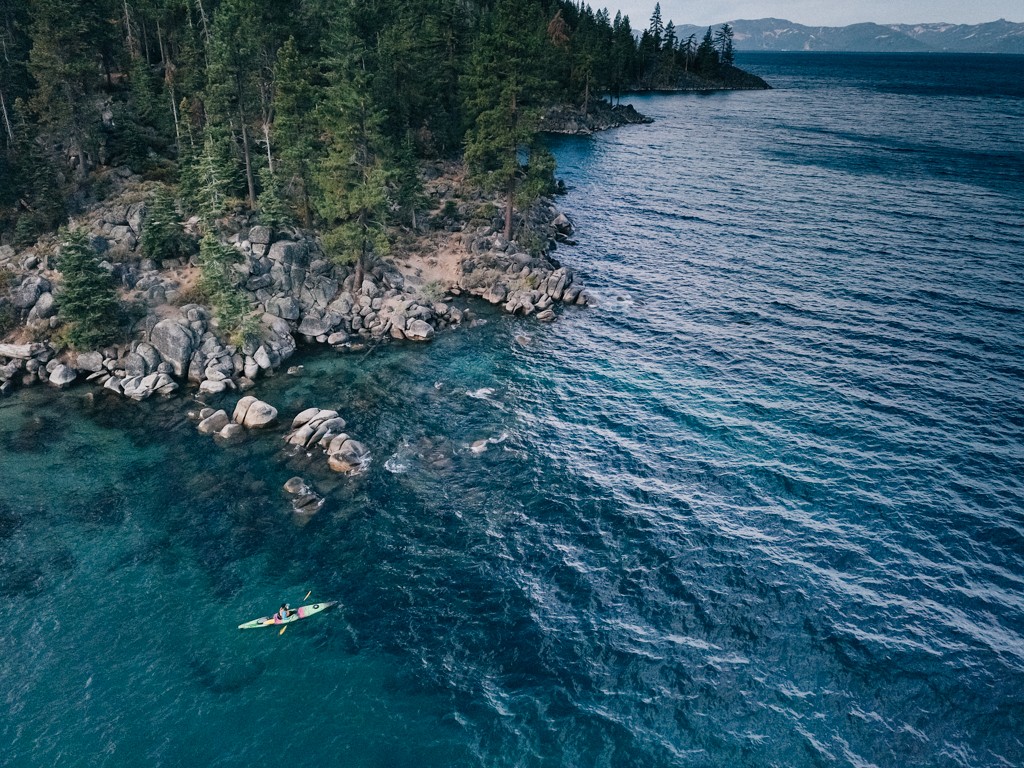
[284, 613]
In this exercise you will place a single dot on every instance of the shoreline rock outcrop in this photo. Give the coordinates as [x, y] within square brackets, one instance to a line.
[599, 116]
[293, 290]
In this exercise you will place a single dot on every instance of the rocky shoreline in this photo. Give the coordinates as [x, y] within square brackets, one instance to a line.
[300, 296]
[601, 116]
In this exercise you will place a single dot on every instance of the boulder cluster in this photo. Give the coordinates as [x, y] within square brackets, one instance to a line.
[501, 273]
[321, 429]
[249, 413]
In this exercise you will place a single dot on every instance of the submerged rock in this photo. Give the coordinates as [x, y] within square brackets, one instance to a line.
[213, 423]
[231, 433]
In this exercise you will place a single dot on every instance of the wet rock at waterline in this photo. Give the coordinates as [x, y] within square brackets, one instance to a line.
[322, 429]
[253, 413]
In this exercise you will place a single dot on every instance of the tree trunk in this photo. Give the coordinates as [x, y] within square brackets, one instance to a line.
[128, 31]
[202, 19]
[266, 139]
[307, 213]
[508, 207]
[7, 118]
[174, 114]
[248, 167]
[245, 152]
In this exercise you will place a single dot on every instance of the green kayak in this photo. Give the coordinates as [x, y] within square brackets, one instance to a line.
[302, 612]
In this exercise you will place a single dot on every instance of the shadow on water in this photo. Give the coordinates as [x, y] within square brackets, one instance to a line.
[107, 507]
[38, 433]
[881, 156]
[10, 521]
[23, 576]
[225, 676]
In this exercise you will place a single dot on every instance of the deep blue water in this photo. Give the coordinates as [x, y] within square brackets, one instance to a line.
[761, 506]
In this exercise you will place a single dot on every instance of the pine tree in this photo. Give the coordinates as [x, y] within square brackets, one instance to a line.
[62, 62]
[407, 183]
[231, 87]
[217, 281]
[688, 50]
[671, 40]
[291, 132]
[723, 44]
[36, 184]
[657, 28]
[351, 181]
[707, 56]
[87, 297]
[162, 230]
[506, 88]
[273, 210]
[623, 54]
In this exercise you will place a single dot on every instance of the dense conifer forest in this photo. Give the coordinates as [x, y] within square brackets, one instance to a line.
[315, 112]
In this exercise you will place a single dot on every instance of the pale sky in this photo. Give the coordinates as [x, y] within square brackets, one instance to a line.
[825, 13]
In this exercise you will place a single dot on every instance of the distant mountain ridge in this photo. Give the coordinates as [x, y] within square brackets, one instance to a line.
[781, 35]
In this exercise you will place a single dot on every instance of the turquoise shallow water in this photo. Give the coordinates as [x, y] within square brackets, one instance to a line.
[761, 506]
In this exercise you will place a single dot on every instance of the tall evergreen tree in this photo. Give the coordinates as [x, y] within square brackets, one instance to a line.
[623, 53]
[64, 64]
[232, 89]
[292, 130]
[707, 56]
[723, 43]
[657, 28]
[506, 90]
[688, 51]
[87, 296]
[162, 230]
[351, 180]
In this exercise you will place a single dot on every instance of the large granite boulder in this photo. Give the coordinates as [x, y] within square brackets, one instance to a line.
[45, 307]
[288, 252]
[213, 423]
[253, 413]
[62, 376]
[27, 294]
[148, 353]
[314, 325]
[346, 455]
[321, 428]
[419, 330]
[260, 235]
[285, 307]
[135, 365]
[90, 361]
[174, 341]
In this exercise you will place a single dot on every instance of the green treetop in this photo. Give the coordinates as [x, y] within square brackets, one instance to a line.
[88, 300]
[506, 88]
[351, 180]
